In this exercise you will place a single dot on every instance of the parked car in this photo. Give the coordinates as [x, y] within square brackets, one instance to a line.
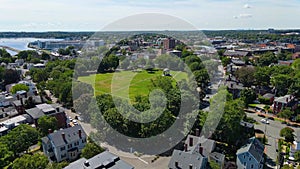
[266, 121]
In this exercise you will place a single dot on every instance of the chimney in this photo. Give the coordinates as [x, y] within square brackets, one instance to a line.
[176, 164]
[191, 166]
[86, 163]
[231, 85]
[201, 150]
[197, 132]
[21, 101]
[26, 95]
[185, 147]
[18, 97]
[57, 109]
[79, 133]
[191, 142]
[50, 131]
[287, 99]
[63, 136]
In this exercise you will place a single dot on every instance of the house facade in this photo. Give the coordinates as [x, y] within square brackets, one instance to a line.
[287, 101]
[250, 156]
[64, 144]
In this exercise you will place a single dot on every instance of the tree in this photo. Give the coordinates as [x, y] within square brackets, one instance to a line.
[287, 133]
[262, 76]
[286, 114]
[90, 150]
[266, 59]
[36, 161]
[11, 76]
[297, 156]
[248, 96]
[5, 155]
[245, 75]
[54, 165]
[20, 138]
[281, 82]
[45, 56]
[47, 122]
[286, 166]
[19, 87]
[214, 165]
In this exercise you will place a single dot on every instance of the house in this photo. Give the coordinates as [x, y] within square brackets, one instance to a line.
[287, 101]
[103, 160]
[269, 96]
[198, 151]
[47, 109]
[234, 88]
[287, 62]
[236, 54]
[9, 124]
[187, 160]
[65, 144]
[250, 156]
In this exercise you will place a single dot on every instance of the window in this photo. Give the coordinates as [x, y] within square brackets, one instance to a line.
[62, 148]
[251, 165]
[69, 146]
[63, 155]
[250, 159]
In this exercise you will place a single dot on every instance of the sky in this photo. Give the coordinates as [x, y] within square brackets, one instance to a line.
[94, 15]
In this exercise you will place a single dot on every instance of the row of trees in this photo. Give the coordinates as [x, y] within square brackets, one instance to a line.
[57, 77]
[285, 79]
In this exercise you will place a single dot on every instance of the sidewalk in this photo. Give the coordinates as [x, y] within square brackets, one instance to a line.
[272, 116]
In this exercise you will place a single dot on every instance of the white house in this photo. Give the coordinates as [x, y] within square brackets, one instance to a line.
[65, 144]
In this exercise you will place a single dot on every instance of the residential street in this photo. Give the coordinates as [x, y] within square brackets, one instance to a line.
[272, 131]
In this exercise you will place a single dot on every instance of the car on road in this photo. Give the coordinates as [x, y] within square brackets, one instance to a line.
[265, 121]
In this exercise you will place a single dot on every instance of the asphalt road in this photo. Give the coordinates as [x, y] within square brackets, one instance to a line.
[272, 131]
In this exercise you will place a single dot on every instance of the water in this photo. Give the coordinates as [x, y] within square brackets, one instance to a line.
[20, 43]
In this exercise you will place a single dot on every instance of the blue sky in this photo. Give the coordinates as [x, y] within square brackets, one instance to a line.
[78, 15]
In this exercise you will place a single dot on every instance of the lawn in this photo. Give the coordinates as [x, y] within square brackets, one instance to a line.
[124, 82]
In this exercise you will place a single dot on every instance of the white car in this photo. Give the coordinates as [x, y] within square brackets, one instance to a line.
[266, 121]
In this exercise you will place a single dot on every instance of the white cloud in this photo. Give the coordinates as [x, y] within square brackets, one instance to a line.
[247, 6]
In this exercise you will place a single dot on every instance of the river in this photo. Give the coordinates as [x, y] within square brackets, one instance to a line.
[20, 43]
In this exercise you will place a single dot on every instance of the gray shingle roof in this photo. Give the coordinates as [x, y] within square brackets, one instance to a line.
[71, 135]
[35, 113]
[254, 147]
[103, 160]
[185, 159]
[217, 157]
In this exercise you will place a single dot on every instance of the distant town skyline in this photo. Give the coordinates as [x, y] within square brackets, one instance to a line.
[93, 15]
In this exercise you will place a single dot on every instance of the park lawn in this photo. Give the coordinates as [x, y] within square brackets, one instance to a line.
[124, 82]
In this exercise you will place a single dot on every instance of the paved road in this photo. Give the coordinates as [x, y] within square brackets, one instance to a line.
[272, 131]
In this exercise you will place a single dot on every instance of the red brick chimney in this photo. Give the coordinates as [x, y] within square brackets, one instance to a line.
[201, 150]
[79, 133]
[191, 142]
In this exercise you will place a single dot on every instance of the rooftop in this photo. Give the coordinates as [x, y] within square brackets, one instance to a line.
[103, 160]
[71, 134]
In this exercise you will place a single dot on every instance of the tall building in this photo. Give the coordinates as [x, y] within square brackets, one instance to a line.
[169, 43]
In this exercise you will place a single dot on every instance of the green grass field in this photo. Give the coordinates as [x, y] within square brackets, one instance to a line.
[126, 82]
